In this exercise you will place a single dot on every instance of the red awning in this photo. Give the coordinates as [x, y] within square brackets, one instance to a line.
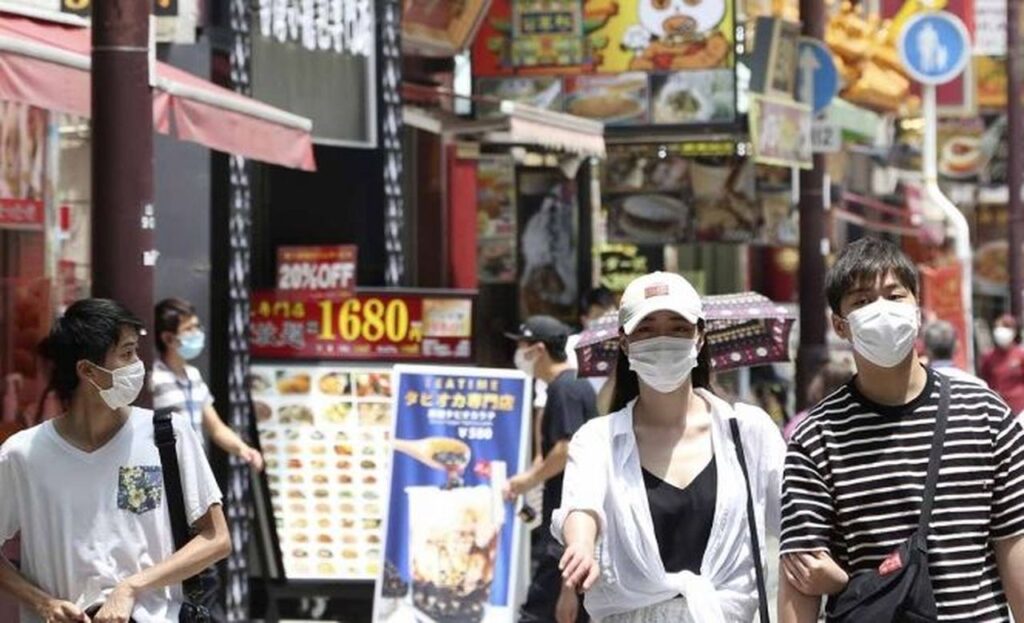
[48, 65]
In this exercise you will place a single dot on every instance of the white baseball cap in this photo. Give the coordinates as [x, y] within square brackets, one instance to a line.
[658, 291]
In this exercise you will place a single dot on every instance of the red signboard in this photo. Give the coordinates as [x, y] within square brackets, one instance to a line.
[21, 214]
[371, 325]
[942, 296]
[322, 269]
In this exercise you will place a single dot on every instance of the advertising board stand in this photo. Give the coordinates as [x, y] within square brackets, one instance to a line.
[323, 397]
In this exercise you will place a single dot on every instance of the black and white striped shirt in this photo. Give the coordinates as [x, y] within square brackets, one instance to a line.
[854, 481]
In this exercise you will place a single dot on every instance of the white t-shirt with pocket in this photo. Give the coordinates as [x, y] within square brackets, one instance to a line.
[89, 520]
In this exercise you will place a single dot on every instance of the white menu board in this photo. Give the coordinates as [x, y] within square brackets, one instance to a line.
[325, 433]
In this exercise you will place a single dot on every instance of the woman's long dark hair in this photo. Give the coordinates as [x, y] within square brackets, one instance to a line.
[627, 383]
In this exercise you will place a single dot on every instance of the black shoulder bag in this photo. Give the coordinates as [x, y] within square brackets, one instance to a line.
[755, 540]
[193, 610]
[900, 590]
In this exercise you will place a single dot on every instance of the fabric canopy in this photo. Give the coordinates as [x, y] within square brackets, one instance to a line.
[48, 65]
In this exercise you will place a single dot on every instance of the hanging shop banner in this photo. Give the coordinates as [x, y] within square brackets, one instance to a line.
[780, 132]
[23, 179]
[324, 431]
[942, 296]
[321, 269]
[309, 55]
[496, 220]
[372, 325]
[452, 546]
[549, 276]
[176, 20]
[974, 149]
[662, 63]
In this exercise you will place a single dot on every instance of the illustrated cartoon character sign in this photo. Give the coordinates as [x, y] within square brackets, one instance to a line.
[677, 35]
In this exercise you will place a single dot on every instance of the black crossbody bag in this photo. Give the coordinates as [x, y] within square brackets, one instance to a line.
[194, 609]
[755, 540]
[900, 590]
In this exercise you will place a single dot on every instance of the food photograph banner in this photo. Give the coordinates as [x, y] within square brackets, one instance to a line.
[372, 325]
[452, 541]
[324, 431]
[622, 62]
[22, 185]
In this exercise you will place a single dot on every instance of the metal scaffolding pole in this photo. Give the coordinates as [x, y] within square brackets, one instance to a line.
[123, 252]
[813, 351]
[1015, 177]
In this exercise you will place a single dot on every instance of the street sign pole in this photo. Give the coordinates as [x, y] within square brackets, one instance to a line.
[931, 32]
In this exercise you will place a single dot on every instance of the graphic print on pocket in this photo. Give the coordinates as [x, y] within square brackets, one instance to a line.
[139, 488]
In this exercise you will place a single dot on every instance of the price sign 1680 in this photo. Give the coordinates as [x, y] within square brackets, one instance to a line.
[370, 320]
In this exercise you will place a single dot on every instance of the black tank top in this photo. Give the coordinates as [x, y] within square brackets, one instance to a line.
[682, 518]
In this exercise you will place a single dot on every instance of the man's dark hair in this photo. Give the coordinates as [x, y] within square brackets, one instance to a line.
[170, 313]
[555, 348]
[597, 297]
[940, 340]
[87, 330]
[865, 261]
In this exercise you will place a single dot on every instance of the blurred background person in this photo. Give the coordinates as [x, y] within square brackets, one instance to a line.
[1003, 367]
[179, 386]
[940, 344]
[834, 375]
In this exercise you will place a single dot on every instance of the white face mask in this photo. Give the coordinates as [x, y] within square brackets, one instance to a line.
[127, 384]
[1003, 336]
[884, 331]
[524, 364]
[663, 363]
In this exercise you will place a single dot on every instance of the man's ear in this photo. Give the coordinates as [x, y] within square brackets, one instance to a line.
[86, 370]
[841, 326]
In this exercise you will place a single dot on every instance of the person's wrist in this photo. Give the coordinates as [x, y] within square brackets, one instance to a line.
[131, 587]
[42, 605]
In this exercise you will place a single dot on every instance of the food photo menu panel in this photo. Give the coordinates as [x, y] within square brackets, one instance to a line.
[325, 432]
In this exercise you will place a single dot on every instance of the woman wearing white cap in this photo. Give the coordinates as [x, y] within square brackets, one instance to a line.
[655, 514]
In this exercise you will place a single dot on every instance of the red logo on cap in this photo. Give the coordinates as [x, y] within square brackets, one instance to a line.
[660, 289]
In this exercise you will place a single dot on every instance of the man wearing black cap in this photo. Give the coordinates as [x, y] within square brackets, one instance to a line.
[540, 353]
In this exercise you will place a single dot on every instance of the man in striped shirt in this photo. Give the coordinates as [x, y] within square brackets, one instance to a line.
[856, 467]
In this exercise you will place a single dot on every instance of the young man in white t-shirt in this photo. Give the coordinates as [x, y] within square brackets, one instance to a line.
[86, 489]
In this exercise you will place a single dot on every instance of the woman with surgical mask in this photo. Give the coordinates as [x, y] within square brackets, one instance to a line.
[178, 385]
[1003, 367]
[654, 511]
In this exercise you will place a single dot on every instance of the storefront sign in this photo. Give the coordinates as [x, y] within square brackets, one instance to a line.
[372, 325]
[21, 214]
[826, 138]
[176, 20]
[322, 269]
[775, 59]
[990, 27]
[658, 63]
[23, 175]
[323, 431]
[942, 296]
[620, 264]
[497, 250]
[452, 541]
[441, 27]
[780, 132]
[308, 55]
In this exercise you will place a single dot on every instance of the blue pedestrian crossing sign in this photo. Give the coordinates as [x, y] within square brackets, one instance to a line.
[934, 47]
[817, 82]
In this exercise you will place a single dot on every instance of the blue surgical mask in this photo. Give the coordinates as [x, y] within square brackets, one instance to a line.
[191, 344]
